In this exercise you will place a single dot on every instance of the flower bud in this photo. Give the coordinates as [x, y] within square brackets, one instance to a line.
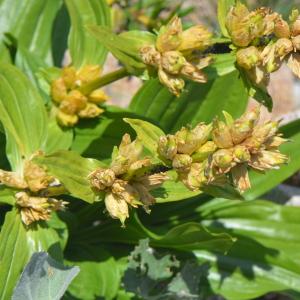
[241, 154]
[69, 77]
[195, 38]
[240, 177]
[182, 162]
[91, 110]
[195, 178]
[124, 191]
[172, 62]
[282, 28]
[73, 103]
[58, 90]
[193, 73]
[97, 96]
[87, 74]
[117, 209]
[248, 58]
[12, 179]
[167, 146]
[296, 42]
[204, 151]
[223, 159]
[174, 84]
[296, 27]
[221, 134]
[170, 36]
[283, 47]
[65, 119]
[150, 56]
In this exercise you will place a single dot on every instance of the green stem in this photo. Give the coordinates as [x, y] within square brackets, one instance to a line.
[104, 80]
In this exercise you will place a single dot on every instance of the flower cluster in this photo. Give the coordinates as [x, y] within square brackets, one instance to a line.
[223, 150]
[173, 54]
[36, 187]
[71, 103]
[264, 40]
[127, 181]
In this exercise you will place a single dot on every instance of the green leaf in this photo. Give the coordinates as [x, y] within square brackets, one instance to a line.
[99, 275]
[44, 279]
[262, 183]
[7, 195]
[125, 47]
[198, 103]
[266, 255]
[22, 114]
[30, 22]
[223, 9]
[72, 171]
[147, 133]
[58, 138]
[17, 244]
[84, 48]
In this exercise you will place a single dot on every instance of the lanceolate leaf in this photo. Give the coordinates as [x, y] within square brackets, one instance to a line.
[125, 47]
[84, 48]
[148, 133]
[17, 244]
[44, 279]
[30, 22]
[198, 103]
[22, 114]
[72, 171]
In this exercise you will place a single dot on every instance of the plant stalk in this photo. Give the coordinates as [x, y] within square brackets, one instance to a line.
[103, 80]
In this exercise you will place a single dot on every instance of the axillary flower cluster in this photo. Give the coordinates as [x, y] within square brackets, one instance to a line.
[127, 181]
[71, 103]
[223, 151]
[33, 192]
[264, 40]
[174, 54]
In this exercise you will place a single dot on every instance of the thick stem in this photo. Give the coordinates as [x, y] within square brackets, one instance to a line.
[104, 80]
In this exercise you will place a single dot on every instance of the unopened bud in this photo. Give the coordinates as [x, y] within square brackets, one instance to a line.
[248, 58]
[102, 178]
[195, 38]
[87, 74]
[296, 27]
[91, 110]
[73, 103]
[241, 154]
[170, 36]
[195, 178]
[221, 134]
[282, 29]
[172, 62]
[97, 96]
[66, 119]
[69, 77]
[204, 151]
[167, 146]
[58, 90]
[223, 159]
[182, 162]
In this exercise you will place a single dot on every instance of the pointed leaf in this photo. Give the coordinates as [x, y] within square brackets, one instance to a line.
[84, 48]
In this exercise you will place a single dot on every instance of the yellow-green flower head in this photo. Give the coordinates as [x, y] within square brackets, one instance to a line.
[171, 55]
[71, 104]
[127, 181]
